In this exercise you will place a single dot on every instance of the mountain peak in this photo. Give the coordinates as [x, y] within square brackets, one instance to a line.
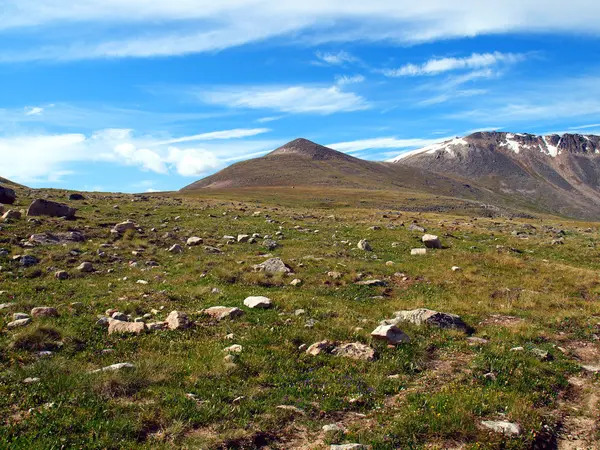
[308, 149]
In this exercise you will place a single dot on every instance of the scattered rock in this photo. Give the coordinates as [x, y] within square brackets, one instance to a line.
[363, 244]
[273, 265]
[456, 269]
[120, 327]
[372, 283]
[115, 368]
[61, 275]
[19, 316]
[258, 302]
[123, 227]
[7, 196]
[291, 408]
[177, 320]
[270, 244]
[418, 251]
[86, 267]
[156, 326]
[44, 311]
[473, 340]
[348, 447]
[296, 282]
[41, 207]
[236, 348]
[18, 323]
[502, 427]
[223, 312]
[333, 427]
[11, 215]
[355, 350]
[431, 241]
[176, 248]
[243, 238]
[391, 334]
[415, 227]
[320, 347]
[28, 261]
[423, 316]
[31, 380]
[193, 241]
[591, 368]
[76, 197]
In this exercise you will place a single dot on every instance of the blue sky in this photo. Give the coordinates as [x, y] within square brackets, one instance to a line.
[125, 95]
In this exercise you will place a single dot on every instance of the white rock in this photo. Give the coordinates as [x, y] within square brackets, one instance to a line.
[114, 367]
[418, 251]
[194, 240]
[390, 333]
[258, 302]
[503, 427]
[363, 244]
[431, 241]
[236, 348]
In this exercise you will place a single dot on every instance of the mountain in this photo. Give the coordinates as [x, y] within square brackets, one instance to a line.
[8, 183]
[305, 163]
[557, 173]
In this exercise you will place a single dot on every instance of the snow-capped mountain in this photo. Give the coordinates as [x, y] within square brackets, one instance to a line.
[552, 145]
[548, 171]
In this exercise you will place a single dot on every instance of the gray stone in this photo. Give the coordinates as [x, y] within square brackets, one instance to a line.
[242, 238]
[123, 227]
[223, 312]
[502, 427]
[86, 267]
[273, 265]
[355, 350]
[424, 316]
[348, 447]
[19, 316]
[40, 207]
[61, 275]
[7, 196]
[418, 251]
[44, 311]
[176, 248]
[372, 283]
[28, 261]
[11, 215]
[431, 241]
[363, 244]
[320, 347]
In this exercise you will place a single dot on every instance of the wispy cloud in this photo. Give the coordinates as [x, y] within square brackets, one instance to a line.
[335, 59]
[180, 27]
[437, 66]
[583, 127]
[33, 110]
[227, 134]
[342, 80]
[382, 143]
[289, 99]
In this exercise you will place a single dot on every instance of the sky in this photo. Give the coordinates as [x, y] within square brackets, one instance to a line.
[138, 96]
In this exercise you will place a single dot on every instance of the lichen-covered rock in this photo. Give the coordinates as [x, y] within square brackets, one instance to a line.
[424, 316]
[355, 350]
[44, 311]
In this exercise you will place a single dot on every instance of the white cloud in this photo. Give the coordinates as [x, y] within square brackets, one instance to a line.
[33, 111]
[49, 157]
[437, 66]
[269, 119]
[176, 27]
[382, 143]
[336, 59]
[343, 80]
[227, 134]
[290, 99]
[583, 127]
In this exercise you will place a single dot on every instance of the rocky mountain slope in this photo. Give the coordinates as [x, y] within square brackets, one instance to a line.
[305, 163]
[557, 173]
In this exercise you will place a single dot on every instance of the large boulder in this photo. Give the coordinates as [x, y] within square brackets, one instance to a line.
[40, 207]
[7, 196]
[11, 215]
[423, 316]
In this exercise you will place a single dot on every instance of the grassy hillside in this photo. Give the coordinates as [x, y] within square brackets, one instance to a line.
[514, 287]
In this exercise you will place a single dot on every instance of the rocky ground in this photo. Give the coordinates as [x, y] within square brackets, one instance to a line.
[190, 322]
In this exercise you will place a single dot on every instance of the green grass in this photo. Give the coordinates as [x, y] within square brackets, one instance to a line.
[440, 392]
